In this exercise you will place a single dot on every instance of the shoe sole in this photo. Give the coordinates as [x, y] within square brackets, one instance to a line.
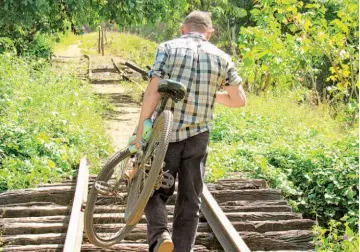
[166, 246]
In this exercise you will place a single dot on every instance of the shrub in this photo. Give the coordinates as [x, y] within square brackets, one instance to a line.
[41, 46]
[337, 237]
[299, 149]
[48, 121]
[7, 45]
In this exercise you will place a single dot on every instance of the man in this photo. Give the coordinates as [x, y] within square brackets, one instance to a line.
[202, 68]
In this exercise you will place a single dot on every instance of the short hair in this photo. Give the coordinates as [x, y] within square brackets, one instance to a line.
[198, 21]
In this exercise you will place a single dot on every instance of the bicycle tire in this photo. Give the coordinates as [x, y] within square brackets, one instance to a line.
[89, 216]
[161, 134]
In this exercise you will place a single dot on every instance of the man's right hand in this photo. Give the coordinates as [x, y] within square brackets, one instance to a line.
[234, 97]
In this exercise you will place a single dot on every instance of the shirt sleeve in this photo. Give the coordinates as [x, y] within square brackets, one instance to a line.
[160, 67]
[232, 77]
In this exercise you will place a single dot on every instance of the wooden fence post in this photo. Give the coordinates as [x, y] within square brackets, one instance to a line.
[99, 40]
[102, 39]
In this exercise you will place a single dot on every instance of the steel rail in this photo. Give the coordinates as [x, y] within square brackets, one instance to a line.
[143, 72]
[224, 231]
[74, 234]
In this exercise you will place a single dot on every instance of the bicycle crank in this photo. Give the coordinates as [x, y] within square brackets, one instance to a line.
[105, 189]
[167, 181]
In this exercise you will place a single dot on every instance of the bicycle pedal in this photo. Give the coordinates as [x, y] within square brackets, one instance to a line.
[103, 188]
[167, 181]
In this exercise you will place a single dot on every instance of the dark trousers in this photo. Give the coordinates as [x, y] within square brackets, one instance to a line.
[185, 159]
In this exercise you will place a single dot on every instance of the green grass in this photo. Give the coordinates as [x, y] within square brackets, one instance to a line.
[125, 45]
[299, 149]
[48, 121]
[65, 40]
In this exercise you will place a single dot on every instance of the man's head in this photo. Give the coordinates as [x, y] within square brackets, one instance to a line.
[197, 21]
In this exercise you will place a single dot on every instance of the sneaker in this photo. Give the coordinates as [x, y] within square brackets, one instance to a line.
[164, 243]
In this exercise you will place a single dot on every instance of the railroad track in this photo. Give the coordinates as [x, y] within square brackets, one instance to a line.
[38, 219]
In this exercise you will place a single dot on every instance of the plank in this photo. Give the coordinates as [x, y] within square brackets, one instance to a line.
[34, 211]
[37, 248]
[141, 247]
[170, 208]
[248, 194]
[254, 203]
[284, 240]
[32, 228]
[42, 219]
[34, 239]
[253, 226]
[61, 195]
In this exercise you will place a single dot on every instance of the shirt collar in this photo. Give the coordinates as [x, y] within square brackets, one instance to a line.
[194, 35]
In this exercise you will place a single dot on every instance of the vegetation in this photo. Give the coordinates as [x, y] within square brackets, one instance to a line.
[301, 150]
[47, 18]
[282, 44]
[296, 43]
[299, 60]
[334, 238]
[127, 46]
[48, 121]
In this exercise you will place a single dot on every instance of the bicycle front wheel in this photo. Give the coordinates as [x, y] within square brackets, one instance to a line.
[104, 212]
[148, 175]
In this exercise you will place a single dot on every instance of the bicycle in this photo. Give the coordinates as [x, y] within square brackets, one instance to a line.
[110, 190]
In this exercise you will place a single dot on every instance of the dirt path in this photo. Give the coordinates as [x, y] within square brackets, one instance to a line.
[72, 51]
[121, 122]
[105, 80]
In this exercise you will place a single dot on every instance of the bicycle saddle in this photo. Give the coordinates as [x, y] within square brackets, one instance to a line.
[176, 90]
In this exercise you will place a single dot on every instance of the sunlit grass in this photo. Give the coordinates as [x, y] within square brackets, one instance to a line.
[49, 120]
[66, 40]
[297, 148]
[272, 122]
[124, 45]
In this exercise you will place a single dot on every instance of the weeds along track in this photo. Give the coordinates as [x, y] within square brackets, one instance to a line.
[38, 219]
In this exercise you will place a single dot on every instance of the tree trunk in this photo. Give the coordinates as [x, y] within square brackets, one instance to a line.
[267, 82]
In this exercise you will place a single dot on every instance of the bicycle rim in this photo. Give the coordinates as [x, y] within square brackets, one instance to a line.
[146, 178]
[105, 208]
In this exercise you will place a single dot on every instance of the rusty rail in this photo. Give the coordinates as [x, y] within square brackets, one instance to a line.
[224, 231]
[75, 230]
[143, 72]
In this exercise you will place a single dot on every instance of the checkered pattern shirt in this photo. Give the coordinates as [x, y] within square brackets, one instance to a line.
[202, 68]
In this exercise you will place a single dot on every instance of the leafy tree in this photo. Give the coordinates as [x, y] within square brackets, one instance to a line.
[49, 17]
[22, 20]
[313, 44]
[228, 16]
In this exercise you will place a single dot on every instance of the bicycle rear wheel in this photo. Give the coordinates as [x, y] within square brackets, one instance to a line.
[148, 175]
[105, 208]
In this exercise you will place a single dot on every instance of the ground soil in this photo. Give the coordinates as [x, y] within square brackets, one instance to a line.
[120, 122]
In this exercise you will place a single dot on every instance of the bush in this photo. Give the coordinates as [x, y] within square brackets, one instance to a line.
[7, 46]
[41, 46]
[301, 150]
[337, 237]
[48, 121]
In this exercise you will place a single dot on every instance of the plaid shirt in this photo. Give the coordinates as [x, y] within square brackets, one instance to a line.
[202, 68]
